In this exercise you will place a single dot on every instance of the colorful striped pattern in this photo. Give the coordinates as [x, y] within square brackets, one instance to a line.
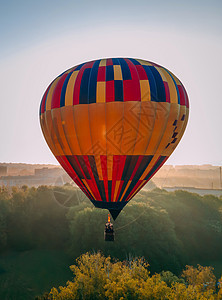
[114, 79]
[112, 123]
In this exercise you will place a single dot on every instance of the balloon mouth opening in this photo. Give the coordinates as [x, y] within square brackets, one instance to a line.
[114, 213]
[113, 207]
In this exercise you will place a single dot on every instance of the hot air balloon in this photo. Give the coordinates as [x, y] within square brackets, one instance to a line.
[112, 123]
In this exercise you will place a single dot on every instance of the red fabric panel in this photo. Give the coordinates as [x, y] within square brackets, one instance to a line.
[101, 76]
[109, 62]
[186, 97]
[92, 186]
[131, 88]
[120, 166]
[69, 170]
[167, 91]
[103, 160]
[136, 166]
[57, 92]
[44, 99]
[85, 157]
[141, 72]
[110, 92]
[182, 95]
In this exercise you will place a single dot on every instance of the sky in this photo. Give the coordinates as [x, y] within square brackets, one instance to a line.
[41, 39]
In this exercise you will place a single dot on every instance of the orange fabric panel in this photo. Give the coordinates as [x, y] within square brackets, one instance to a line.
[146, 113]
[161, 117]
[68, 123]
[51, 130]
[47, 134]
[58, 127]
[97, 123]
[181, 125]
[130, 126]
[167, 136]
[114, 127]
[81, 119]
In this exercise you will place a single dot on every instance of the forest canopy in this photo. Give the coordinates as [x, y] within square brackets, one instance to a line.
[169, 229]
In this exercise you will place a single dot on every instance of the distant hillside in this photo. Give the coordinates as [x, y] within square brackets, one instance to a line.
[201, 177]
[15, 169]
[205, 177]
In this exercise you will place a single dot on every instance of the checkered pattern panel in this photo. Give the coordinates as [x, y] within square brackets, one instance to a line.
[114, 79]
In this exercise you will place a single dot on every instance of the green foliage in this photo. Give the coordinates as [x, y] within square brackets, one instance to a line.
[98, 277]
[170, 229]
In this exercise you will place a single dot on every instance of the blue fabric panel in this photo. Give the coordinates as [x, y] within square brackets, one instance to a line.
[153, 89]
[118, 87]
[161, 94]
[109, 73]
[93, 82]
[79, 67]
[135, 62]
[115, 61]
[125, 69]
[63, 92]
[84, 87]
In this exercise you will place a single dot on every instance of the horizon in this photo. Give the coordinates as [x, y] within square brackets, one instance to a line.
[38, 44]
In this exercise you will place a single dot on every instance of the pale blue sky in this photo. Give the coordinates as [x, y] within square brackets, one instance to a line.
[41, 39]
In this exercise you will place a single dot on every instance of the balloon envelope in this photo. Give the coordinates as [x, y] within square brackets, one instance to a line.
[112, 123]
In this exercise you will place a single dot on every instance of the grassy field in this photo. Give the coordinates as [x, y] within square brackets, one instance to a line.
[23, 275]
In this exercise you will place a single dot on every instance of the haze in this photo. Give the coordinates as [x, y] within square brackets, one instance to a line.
[39, 40]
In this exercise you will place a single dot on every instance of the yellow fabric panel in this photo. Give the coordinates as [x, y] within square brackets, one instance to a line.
[47, 134]
[81, 119]
[88, 188]
[70, 89]
[52, 132]
[97, 123]
[117, 72]
[58, 127]
[145, 90]
[143, 62]
[167, 136]
[128, 184]
[102, 63]
[116, 190]
[162, 113]
[161, 73]
[175, 78]
[101, 92]
[114, 127]
[50, 93]
[146, 113]
[69, 129]
[172, 88]
[130, 127]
